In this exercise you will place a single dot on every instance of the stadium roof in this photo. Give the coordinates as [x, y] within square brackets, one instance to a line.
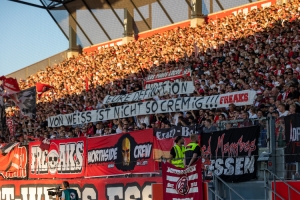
[98, 21]
[103, 20]
[45, 4]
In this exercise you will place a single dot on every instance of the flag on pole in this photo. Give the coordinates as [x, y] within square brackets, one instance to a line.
[41, 88]
[10, 85]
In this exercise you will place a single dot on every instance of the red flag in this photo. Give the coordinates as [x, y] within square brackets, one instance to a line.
[45, 144]
[86, 83]
[41, 88]
[10, 85]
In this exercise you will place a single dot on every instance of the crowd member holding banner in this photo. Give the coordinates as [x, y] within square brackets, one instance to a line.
[192, 151]
[177, 153]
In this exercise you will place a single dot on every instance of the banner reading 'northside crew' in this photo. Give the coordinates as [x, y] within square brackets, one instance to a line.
[119, 154]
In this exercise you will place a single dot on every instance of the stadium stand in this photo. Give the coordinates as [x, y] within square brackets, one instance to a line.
[258, 51]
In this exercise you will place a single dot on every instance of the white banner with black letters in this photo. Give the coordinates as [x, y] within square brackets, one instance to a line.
[240, 98]
[159, 90]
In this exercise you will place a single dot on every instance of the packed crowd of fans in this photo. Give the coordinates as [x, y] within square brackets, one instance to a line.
[258, 51]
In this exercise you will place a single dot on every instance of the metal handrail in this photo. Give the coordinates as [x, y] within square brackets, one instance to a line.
[294, 189]
[283, 181]
[216, 194]
[270, 189]
[241, 120]
[230, 188]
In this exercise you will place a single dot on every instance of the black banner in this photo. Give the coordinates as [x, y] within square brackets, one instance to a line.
[26, 101]
[292, 136]
[174, 131]
[231, 154]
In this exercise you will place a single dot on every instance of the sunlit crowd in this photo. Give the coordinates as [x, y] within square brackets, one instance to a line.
[257, 51]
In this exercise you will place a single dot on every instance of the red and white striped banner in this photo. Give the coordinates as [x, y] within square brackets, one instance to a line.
[11, 126]
[182, 184]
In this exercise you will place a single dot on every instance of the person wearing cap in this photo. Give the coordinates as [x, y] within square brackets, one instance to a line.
[192, 151]
[177, 153]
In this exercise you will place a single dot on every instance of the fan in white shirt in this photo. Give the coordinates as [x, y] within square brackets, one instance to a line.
[282, 111]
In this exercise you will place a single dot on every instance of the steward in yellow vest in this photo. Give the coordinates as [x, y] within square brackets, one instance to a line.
[177, 153]
[193, 151]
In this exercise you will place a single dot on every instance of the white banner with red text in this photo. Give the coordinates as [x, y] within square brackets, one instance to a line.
[167, 76]
[241, 98]
[182, 183]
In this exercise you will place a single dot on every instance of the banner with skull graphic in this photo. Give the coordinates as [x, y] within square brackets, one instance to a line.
[64, 159]
[121, 154]
[182, 183]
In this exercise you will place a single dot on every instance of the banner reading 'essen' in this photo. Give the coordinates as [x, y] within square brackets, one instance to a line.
[231, 154]
[240, 98]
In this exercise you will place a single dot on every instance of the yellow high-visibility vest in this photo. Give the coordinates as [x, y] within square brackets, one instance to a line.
[178, 160]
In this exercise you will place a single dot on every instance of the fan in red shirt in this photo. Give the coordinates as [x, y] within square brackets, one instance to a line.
[88, 106]
[279, 71]
[90, 129]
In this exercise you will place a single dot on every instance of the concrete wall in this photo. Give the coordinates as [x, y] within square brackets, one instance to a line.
[41, 65]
